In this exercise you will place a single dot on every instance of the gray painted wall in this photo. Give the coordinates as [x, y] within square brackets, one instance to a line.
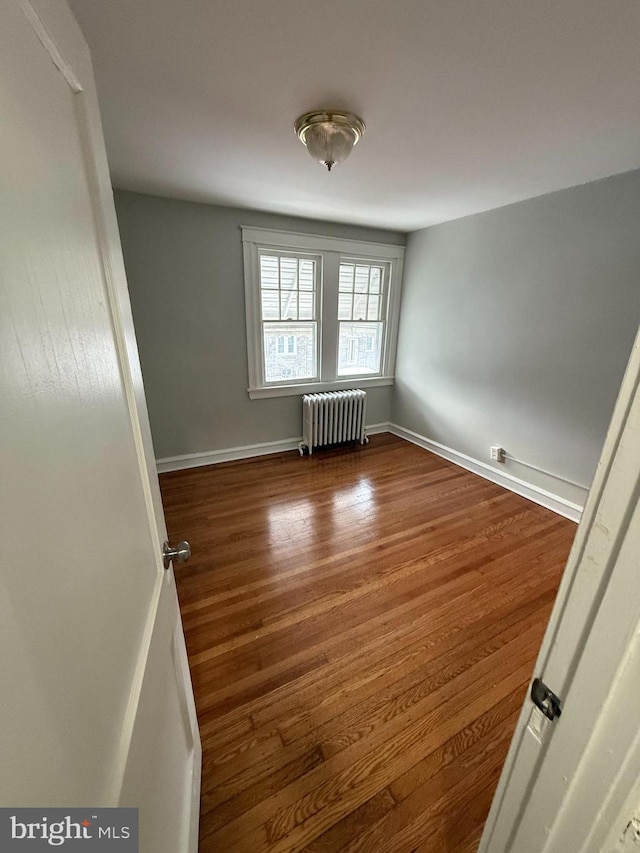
[185, 272]
[516, 326]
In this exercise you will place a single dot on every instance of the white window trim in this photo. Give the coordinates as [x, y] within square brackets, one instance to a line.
[330, 250]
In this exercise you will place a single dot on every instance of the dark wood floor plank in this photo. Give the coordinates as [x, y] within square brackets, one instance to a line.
[419, 685]
[349, 677]
[461, 777]
[485, 732]
[471, 844]
[361, 628]
[354, 824]
[354, 620]
[361, 770]
[359, 576]
[228, 801]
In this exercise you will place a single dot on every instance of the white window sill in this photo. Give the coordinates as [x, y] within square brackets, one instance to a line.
[363, 382]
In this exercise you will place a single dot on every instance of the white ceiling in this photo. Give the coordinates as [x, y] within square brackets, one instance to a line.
[469, 104]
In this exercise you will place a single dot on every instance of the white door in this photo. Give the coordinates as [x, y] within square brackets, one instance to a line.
[564, 783]
[96, 706]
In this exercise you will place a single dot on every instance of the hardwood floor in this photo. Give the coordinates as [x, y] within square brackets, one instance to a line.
[361, 627]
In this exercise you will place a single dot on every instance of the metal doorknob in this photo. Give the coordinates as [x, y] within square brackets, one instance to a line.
[180, 553]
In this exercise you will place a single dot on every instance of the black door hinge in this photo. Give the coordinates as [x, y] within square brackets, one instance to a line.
[545, 699]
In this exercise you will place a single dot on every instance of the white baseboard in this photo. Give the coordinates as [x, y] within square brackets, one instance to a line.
[247, 451]
[374, 429]
[213, 457]
[538, 495]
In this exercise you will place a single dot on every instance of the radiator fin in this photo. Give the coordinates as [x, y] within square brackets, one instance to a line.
[333, 417]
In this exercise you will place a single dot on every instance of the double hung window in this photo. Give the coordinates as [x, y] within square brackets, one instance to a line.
[321, 312]
[289, 317]
[361, 318]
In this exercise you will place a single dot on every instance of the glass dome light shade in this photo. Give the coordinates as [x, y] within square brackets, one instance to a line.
[328, 135]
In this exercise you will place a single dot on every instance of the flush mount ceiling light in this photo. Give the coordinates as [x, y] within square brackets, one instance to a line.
[329, 135]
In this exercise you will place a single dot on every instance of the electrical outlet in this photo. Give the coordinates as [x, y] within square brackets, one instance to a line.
[497, 453]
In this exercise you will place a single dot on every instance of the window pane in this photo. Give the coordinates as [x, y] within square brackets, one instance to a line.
[362, 279]
[345, 282]
[359, 348]
[289, 351]
[268, 272]
[270, 305]
[288, 273]
[345, 301]
[306, 306]
[288, 305]
[360, 307]
[373, 312]
[305, 275]
[376, 280]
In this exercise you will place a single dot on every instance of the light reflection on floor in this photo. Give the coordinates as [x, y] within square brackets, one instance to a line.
[290, 520]
[351, 507]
